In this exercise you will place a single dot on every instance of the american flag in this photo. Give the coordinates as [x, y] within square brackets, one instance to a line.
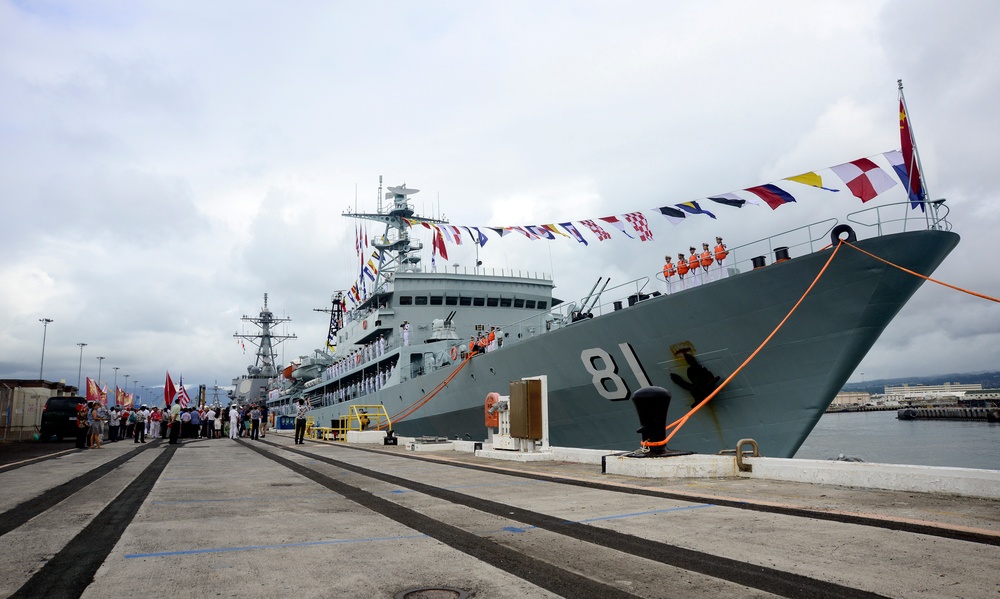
[182, 395]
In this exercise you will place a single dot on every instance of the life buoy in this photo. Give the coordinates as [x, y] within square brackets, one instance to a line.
[839, 230]
[453, 352]
[364, 324]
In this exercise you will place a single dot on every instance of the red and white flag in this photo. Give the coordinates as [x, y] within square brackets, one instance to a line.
[169, 391]
[182, 395]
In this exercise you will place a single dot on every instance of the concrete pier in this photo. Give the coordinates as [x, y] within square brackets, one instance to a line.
[272, 519]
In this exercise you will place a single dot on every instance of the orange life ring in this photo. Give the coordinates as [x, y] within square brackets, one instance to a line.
[364, 324]
[453, 352]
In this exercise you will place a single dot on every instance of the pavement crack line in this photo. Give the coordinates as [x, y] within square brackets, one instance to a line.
[537, 572]
[70, 571]
[26, 510]
[778, 582]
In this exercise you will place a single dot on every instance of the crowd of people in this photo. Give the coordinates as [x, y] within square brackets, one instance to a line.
[696, 268]
[97, 423]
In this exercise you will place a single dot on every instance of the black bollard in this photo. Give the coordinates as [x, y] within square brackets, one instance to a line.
[651, 403]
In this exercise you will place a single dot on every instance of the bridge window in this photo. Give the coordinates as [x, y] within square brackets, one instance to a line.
[451, 301]
[492, 302]
[478, 301]
[530, 304]
[405, 300]
[504, 302]
[437, 300]
[420, 300]
[519, 303]
[465, 301]
[542, 305]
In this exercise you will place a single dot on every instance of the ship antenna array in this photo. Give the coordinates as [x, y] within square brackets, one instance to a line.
[265, 340]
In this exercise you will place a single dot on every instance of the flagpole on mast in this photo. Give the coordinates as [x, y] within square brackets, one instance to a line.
[916, 158]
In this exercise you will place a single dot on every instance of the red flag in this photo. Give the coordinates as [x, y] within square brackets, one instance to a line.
[439, 240]
[169, 391]
[909, 156]
[93, 393]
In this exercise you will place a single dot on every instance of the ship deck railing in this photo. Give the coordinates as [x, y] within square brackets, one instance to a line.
[874, 221]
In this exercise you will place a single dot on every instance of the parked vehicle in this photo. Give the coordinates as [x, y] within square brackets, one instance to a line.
[59, 418]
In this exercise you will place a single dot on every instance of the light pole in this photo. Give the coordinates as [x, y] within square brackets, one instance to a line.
[126, 384]
[45, 328]
[115, 368]
[79, 372]
[135, 384]
[100, 363]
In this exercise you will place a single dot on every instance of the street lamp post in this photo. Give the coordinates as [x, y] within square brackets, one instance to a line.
[79, 372]
[100, 363]
[115, 368]
[45, 329]
[126, 383]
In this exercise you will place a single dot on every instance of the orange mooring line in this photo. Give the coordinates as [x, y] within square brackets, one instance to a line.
[926, 278]
[426, 398]
[677, 424]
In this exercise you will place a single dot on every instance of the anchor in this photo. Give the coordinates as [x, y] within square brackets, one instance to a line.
[700, 382]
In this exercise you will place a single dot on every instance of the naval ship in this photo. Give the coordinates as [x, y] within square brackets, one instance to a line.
[253, 386]
[406, 345]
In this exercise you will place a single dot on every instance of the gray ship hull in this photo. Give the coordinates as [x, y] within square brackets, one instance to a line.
[776, 399]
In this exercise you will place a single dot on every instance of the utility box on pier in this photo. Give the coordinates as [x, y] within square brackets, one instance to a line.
[521, 419]
[526, 409]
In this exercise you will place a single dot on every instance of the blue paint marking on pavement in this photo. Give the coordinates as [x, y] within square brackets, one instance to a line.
[512, 529]
[517, 529]
[280, 546]
[281, 498]
[634, 514]
[527, 482]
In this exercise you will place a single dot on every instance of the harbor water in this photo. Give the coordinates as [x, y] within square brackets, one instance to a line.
[880, 437]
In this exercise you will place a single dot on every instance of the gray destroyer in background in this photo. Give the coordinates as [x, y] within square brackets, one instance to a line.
[405, 345]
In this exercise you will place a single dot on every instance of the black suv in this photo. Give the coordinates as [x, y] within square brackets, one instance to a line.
[59, 417]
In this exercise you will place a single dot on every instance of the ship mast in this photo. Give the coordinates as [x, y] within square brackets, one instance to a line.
[265, 341]
[336, 312]
[398, 250]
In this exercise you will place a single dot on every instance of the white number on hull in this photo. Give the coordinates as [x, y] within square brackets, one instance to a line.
[607, 375]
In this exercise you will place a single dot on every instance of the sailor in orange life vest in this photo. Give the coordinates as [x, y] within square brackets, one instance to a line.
[682, 269]
[669, 270]
[694, 266]
[720, 257]
[706, 262]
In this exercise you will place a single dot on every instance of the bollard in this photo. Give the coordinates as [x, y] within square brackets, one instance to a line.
[390, 438]
[651, 403]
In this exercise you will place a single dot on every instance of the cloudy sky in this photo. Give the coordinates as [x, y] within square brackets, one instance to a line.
[167, 163]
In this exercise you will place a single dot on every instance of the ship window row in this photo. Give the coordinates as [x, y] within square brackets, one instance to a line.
[462, 300]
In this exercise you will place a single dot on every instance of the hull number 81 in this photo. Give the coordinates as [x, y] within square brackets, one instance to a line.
[604, 371]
